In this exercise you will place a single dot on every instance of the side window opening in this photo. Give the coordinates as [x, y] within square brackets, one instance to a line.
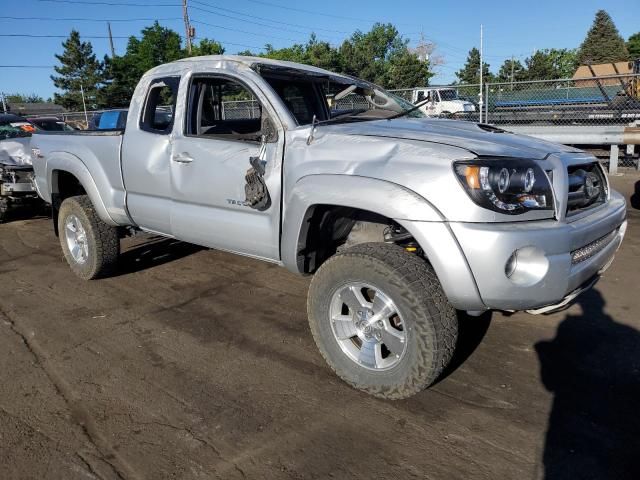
[160, 106]
[220, 107]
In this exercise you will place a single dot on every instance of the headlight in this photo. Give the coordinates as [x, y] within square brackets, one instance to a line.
[511, 186]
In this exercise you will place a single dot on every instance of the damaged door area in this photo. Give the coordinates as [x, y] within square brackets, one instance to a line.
[228, 194]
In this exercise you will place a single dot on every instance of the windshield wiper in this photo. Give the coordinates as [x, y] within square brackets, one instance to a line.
[411, 110]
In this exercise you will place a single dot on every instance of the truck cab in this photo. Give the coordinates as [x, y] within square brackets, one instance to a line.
[441, 102]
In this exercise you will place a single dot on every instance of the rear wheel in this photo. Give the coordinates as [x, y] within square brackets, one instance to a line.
[90, 246]
[381, 320]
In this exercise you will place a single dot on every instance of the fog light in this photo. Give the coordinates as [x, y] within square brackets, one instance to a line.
[527, 266]
[511, 265]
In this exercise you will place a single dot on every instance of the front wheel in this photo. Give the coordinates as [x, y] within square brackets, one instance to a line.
[381, 320]
[90, 246]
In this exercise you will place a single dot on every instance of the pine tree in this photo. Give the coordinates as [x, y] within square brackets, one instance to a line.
[79, 69]
[511, 71]
[633, 45]
[156, 46]
[470, 73]
[603, 43]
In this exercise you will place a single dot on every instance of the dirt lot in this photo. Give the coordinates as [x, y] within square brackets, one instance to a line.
[197, 364]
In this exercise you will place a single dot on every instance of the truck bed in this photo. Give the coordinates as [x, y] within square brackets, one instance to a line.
[96, 151]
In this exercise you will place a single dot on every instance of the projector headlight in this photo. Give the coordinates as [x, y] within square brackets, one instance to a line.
[511, 186]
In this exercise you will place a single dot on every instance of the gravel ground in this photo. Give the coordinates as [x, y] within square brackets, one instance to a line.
[196, 364]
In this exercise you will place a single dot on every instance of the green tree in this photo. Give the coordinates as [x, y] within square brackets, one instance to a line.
[511, 70]
[22, 98]
[322, 54]
[382, 56]
[470, 72]
[207, 47]
[603, 43]
[550, 64]
[407, 71]
[367, 55]
[78, 68]
[156, 46]
[633, 46]
[294, 53]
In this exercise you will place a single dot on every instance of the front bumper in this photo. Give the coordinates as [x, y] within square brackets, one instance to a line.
[560, 266]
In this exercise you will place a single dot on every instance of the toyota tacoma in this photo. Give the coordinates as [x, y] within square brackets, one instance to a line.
[401, 220]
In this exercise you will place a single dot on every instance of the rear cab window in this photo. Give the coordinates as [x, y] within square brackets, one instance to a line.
[158, 113]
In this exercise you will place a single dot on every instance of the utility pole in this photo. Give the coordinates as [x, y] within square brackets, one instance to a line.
[113, 50]
[4, 103]
[187, 26]
[481, 102]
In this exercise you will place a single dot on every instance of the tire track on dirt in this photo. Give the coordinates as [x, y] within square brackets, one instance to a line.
[80, 415]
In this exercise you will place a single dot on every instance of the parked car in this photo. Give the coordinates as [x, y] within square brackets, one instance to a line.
[17, 188]
[401, 219]
[53, 124]
[109, 120]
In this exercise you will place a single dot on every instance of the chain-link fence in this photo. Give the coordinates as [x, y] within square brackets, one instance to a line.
[608, 101]
[587, 101]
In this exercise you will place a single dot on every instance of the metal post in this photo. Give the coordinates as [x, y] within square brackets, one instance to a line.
[512, 73]
[84, 105]
[486, 103]
[613, 160]
[187, 26]
[481, 102]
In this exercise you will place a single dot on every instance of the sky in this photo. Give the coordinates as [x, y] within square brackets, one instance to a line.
[511, 28]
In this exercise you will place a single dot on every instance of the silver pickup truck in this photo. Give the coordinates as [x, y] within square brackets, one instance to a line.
[401, 220]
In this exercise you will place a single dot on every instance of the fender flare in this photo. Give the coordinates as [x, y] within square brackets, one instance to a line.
[69, 163]
[424, 221]
[378, 196]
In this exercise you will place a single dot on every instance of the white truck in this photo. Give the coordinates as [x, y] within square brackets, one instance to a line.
[441, 102]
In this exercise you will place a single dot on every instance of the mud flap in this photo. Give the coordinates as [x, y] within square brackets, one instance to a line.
[255, 189]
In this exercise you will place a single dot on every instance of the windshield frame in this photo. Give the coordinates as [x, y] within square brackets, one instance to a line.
[285, 72]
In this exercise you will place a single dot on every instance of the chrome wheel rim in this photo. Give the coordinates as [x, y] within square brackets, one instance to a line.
[76, 239]
[368, 326]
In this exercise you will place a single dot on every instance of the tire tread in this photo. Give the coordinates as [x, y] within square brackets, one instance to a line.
[421, 280]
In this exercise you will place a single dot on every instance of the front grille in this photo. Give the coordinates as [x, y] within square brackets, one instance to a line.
[584, 253]
[587, 187]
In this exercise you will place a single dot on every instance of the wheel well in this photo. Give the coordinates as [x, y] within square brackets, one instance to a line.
[327, 229]
[63, 185]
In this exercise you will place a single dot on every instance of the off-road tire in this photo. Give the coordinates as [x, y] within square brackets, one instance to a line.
[103, 239]
[414, 287]
[4, 209]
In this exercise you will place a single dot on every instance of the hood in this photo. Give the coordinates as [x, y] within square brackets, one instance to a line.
[482, 140]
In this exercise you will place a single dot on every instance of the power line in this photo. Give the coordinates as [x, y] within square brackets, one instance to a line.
[243, 31]
[200, 9]
[33, 35]
[115, 4]
[287, 7]
[267, 19]
[55, 19]
[26, 66]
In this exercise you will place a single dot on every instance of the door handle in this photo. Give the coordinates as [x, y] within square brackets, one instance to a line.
[182, 158]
